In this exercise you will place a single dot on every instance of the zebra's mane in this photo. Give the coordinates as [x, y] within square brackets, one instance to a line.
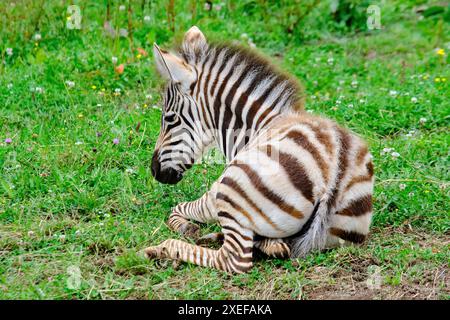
[260, 65]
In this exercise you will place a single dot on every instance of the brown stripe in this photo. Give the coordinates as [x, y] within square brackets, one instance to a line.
[323, 138]
[351, 236]
[297, 175]
[358, 207]
[369, 166]
[235, 231]
[344, 138]
[358, 179]
[244, 250]
[361, 154]
[300, 139]
[261, 187]
[233, 185]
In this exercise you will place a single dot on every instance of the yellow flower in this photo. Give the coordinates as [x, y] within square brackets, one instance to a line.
[68, 18]
[145, 105]
[437, 79]
[425, 77]
[440, 52]
[80, 115]
[443, 79]
[94, 87]
[103, 89]
[139, 56]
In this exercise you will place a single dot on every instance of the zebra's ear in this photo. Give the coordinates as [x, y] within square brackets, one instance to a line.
[194, 41]
[172, 67]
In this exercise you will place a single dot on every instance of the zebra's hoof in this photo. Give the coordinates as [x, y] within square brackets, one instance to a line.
[190, 230]
[155, 252]
[210, 238]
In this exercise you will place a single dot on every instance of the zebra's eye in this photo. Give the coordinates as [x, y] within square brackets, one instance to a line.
[170, 117]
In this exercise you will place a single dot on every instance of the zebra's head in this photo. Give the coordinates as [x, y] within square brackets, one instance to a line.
[182, 138]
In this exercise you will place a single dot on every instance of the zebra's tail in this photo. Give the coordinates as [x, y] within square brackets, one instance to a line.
[313, 235]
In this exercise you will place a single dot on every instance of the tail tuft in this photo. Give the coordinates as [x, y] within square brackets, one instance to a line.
[313, 235]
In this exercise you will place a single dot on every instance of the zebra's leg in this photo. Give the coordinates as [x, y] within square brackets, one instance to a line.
[201, 210]
[276, 248]
[235, 255]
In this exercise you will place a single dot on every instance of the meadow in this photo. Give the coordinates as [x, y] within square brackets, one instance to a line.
[80, 112]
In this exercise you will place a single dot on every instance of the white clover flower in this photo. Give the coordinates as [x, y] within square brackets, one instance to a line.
[99, 104]
[414, 100]
[70, 84]
[422, 120]
[62, 237]
[122, 7]
[117, 90]
[395, 154]
[354, 83]
[114, 60]
[77, 233]
[156, 107]
[410, 133]
[30, 233]
[330, 60]
[9, 51]
[362, 100]
[148, 96]
[386, 150]
[9, 86]
[37, 37]
[207, 6]
[244, 36]
[78, 143]
[38, 89]
[350, 105]
[313, 97]
[393, 93]
[147, 18]
[402, 186]
[129, 171]
[338, 101]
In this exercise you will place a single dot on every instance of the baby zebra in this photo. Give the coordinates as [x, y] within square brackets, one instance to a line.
[293, 183]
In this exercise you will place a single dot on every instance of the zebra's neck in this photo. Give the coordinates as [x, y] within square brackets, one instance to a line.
[239, 93]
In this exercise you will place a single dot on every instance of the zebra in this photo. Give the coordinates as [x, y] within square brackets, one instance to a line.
[293, 183]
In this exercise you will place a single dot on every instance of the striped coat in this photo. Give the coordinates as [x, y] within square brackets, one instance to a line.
[294, 182]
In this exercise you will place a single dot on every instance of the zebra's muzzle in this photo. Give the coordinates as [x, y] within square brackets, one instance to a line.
[168, 176]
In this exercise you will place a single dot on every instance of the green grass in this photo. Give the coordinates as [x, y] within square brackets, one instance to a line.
[69, 197]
